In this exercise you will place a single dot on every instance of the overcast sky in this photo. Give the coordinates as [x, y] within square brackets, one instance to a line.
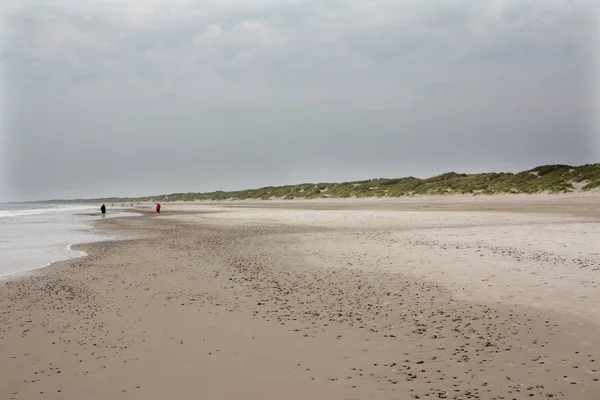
[113, 97]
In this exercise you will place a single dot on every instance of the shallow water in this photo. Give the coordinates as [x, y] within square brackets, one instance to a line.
[33, 236]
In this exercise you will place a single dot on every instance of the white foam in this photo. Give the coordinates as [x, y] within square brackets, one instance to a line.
[33, 238]
[41, 211]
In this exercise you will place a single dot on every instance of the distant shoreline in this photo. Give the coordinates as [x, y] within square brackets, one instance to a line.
[545, 179]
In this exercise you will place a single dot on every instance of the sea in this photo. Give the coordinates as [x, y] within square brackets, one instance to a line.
[33, 236]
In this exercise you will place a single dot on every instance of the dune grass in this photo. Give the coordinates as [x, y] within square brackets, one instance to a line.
[543, 179]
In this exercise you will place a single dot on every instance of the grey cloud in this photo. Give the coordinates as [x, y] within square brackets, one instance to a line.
[113, 101]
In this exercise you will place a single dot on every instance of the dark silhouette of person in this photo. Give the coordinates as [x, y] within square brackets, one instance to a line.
[158, 208]
[103, 209]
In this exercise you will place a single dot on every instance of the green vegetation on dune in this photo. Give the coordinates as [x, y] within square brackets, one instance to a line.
[546, 178]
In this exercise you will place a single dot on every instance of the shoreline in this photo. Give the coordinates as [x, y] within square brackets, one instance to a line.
[307, 304]
[77, 254]
[72, 253]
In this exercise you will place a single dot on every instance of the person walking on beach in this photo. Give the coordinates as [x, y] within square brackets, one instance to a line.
[103, 210]
[158, 208]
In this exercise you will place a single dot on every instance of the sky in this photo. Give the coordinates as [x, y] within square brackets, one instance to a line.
[104, 98]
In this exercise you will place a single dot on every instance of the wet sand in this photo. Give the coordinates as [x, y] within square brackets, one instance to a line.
[316, 301]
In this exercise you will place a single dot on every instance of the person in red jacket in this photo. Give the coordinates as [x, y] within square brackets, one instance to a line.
[158, 208]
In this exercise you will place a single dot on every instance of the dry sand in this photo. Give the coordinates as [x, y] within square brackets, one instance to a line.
[318, 300]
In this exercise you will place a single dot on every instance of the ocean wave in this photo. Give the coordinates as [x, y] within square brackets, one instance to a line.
[31, 238]
[41, 211]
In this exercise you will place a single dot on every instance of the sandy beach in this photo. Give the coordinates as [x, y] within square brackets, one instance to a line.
[456, 298]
